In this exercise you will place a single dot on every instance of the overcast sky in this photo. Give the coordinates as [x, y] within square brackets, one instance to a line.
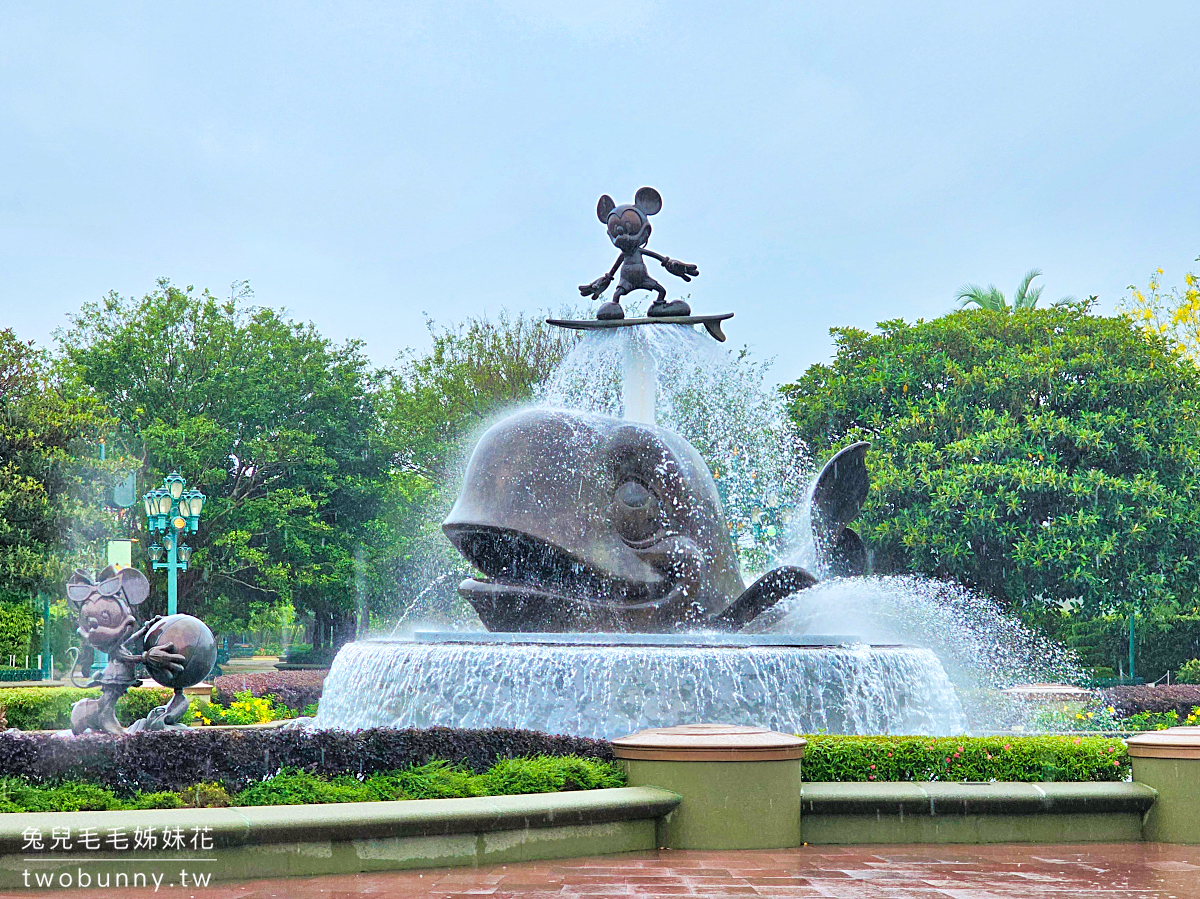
[823, 164]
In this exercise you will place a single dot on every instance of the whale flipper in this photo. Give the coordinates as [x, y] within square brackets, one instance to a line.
[764, 593]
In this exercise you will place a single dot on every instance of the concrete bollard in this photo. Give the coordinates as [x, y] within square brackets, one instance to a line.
[1169, 761]
[740, 785]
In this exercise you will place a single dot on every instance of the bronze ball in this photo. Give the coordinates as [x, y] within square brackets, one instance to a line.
[193, 640]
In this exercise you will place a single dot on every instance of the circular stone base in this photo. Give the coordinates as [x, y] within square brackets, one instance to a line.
[608, 686]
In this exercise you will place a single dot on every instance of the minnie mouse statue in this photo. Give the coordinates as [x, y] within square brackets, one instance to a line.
[177, 650]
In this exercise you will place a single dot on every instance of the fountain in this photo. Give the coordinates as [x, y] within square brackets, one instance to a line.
[610, 584]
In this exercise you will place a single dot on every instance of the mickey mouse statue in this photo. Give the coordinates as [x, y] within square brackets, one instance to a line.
[177, 650]
[629, 230]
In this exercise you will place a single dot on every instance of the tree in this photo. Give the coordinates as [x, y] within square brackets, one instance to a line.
[1174, 315]
[993, 300]
[276, 424]
[1048, 458]
[52, 484]
[432, 408]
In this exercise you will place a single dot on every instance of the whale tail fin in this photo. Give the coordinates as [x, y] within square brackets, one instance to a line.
[838, 495]
[762, 594]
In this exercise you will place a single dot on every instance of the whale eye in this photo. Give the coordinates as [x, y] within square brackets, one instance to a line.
[635, 512]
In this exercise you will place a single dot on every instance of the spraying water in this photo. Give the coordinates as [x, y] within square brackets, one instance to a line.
[959, 649]
[607, 691]
[981, 649]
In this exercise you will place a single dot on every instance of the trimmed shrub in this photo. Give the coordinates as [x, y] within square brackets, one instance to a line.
[1130, 701]
[292, 786]
[1029, 759]
[294, 689]
[140, 702]
[173, 760]
[41, 708]
[49, 708]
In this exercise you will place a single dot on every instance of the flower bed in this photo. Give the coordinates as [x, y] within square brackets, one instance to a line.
[290, 786]
[837, 758]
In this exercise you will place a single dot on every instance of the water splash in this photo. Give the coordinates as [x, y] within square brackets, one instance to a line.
[961, 647]
[611, 691]
[982, 649]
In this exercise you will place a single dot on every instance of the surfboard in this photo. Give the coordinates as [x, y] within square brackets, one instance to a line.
[712, 323]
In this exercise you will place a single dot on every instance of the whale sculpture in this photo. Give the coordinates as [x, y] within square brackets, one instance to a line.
[581, 522]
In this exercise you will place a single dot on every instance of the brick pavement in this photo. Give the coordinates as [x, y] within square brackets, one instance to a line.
[1119, 871]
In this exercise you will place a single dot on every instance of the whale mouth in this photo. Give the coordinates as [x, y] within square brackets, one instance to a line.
[530, 584]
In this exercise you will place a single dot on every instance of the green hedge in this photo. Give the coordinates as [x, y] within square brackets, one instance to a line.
[1161, 644]
[434, 780]
[49, 708]
[838, 758]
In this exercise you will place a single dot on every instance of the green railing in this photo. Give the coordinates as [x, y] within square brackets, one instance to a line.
[13, 674]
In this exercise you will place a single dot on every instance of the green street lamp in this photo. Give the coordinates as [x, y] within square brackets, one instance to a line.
[174, 511]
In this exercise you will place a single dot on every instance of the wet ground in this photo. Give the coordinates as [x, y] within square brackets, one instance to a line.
[1143, 870]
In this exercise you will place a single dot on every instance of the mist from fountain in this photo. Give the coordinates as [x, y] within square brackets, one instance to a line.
[981, 649]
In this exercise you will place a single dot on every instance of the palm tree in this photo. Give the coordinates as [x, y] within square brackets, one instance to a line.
[992, 298]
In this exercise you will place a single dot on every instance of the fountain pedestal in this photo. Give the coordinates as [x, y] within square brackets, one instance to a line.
[740, 785]
[610, 685]
[1169, 761]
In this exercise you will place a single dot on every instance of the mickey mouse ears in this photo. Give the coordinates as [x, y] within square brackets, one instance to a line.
[646, 199]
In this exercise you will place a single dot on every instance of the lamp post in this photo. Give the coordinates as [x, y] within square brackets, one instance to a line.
[174, 511]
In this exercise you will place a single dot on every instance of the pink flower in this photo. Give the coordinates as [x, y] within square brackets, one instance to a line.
[947, 760]
[989, 755]
[870, 777]
[1078, 740]
[890, 755]
[960, 749]
[1007, 746]
[956, 755]
[872, 767]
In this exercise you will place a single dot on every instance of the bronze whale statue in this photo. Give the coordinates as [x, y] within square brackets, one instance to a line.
[590, 523]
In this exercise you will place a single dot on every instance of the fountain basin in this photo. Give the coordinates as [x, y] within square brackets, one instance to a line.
[609, 685]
